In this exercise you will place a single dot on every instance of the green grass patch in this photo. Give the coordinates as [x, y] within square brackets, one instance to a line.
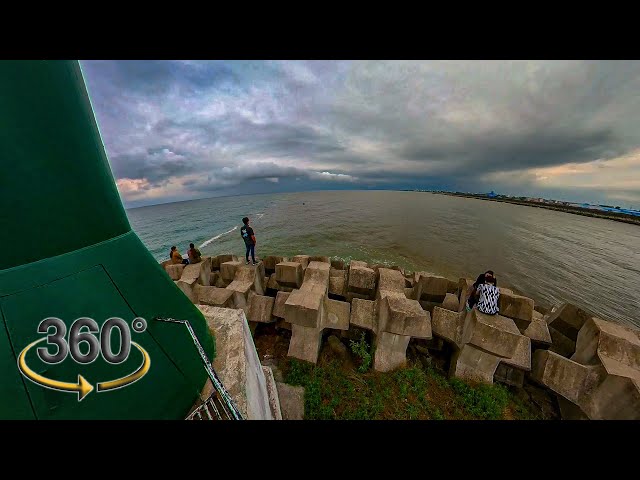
[411, 393]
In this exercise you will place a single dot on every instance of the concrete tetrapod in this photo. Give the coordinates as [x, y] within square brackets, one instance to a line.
[309, 310]
[601, 380]
[482, 342]
[393, 318]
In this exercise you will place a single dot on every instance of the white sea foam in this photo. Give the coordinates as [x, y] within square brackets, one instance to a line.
[217, 237]
[259, 215]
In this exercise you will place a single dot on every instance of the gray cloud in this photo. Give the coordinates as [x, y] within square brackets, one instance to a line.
[208, 125]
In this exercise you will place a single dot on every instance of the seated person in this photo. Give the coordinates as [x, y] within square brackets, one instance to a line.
[176, 257]
[488, 296]
[194, 254]
[472, 297]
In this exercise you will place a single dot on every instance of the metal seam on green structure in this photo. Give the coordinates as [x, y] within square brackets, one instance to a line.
[66, 254]
[15, 359]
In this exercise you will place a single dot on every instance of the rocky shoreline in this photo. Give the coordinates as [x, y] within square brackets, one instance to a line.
[589, 367]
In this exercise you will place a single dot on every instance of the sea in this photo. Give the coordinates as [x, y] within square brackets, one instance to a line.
[547, 255]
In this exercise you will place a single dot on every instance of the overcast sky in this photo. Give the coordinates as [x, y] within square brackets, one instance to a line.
[178, 130]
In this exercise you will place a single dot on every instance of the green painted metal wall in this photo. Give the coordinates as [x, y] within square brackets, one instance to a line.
[68, 251]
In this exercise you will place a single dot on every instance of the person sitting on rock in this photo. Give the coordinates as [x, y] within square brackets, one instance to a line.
[488, 296]
[194, 254]
[176, 256]
[472, 296]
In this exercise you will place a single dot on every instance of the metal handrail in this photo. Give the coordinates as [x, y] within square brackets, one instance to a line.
[224, 400]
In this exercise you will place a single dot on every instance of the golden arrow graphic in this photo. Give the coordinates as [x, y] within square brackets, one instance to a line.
[82, 387]
[129, 379]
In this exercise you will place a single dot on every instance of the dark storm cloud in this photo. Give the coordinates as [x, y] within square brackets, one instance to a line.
[202, 126]
[502, 152]
[156, 165]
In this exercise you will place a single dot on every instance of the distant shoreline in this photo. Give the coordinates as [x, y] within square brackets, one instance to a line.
[618, 217]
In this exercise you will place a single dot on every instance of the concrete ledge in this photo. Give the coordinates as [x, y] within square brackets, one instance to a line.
[237, 362]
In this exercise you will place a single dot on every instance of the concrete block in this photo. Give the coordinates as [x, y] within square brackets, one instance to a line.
[567, 319]
[200, 271]
[291, 401]
[521, 359]
[278, 308]
[219, 297]
[432, 288]
[492, 333]
[337, 285]
[174, 271]
[302, 260]
[364, 314]
[362, 280]
[389, 282]
[402, 316]
[358, 263]
[317, 273]
[616, 346]
[289, 274]
[561, 344]
[188, 289]
[237, 363]
[271, 261]
[305, 307]
[305, 343]
[391, 351]
[563, 376]
[472, 364]
[516, 307]
[248, 277]
[228, 270]
[220, 259]
[464, 286]
[447, 324]
[272, 283]
[261, 309]
[336, 315]
[509, 375]
[538, 331]
[451, 302]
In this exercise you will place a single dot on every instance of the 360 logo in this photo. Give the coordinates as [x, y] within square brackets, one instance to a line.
[83, 330]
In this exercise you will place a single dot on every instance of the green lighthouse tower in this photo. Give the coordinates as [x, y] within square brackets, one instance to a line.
[68, 251]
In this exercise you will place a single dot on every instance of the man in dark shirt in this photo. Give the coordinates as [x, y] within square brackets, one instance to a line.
[249, 239]
[194, 254]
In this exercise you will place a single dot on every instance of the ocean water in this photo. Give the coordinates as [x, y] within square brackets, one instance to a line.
[547, 255]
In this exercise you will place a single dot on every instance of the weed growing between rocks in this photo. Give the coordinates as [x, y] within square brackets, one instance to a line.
[361, 350]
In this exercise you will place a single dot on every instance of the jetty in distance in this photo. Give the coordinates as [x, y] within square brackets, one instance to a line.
[610, 212]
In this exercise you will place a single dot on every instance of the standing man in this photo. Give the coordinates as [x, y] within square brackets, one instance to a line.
[249, 239]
